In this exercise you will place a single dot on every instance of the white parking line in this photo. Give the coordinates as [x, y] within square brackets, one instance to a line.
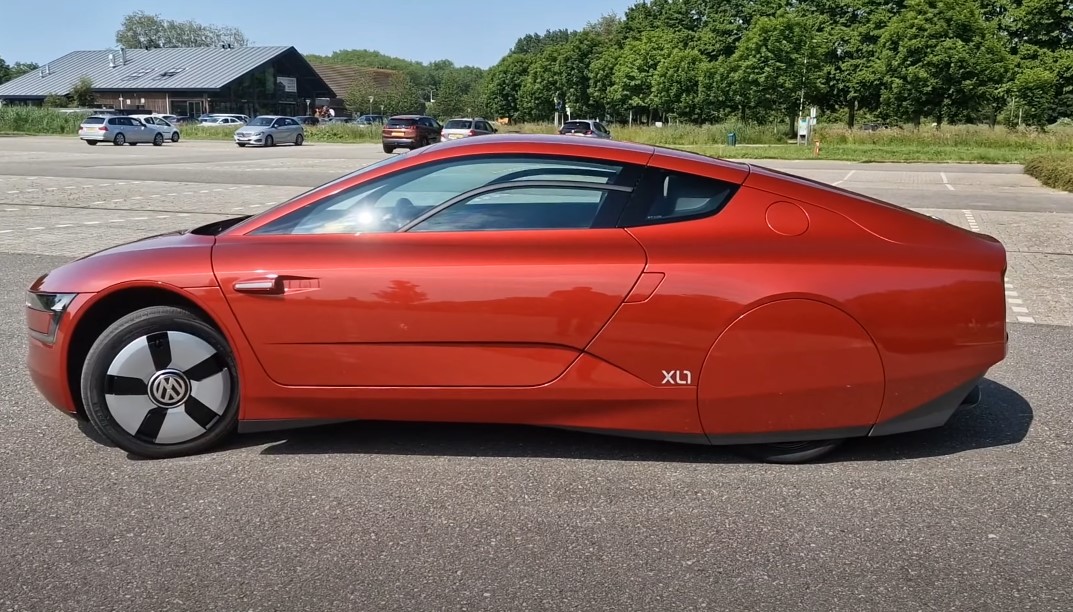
[847, 177]
[971, 218]
[946, 181]
[1016, 305]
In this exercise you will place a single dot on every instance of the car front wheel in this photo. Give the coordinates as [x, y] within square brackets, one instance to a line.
[161, 382]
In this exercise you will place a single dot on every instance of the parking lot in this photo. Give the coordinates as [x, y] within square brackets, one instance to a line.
[974, 516]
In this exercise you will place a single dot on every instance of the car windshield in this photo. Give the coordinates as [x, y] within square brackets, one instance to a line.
[93, 120]
[262, 121]
[401, 122]
[576, 125]
[458, 124]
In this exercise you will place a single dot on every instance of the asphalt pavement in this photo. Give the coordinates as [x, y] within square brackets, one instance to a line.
[974, 516]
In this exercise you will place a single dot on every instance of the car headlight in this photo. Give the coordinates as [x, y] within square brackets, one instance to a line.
[44, 311]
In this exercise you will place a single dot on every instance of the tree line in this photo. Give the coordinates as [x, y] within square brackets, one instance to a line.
[757, 61]
[706, 61]
[766, 61]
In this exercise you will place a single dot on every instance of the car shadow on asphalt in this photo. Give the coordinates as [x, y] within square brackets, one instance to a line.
[1002, 418]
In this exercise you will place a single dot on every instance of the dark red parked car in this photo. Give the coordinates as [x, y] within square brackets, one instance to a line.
[410, 132]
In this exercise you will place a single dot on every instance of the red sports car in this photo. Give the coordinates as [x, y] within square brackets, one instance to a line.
[585, 284]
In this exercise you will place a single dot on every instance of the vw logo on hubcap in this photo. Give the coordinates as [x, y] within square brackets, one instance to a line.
[169, 388]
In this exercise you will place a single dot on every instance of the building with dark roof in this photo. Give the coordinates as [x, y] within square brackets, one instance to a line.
[342, 78]
[181, 81]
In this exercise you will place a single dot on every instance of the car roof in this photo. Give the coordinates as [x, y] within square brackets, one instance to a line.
[556, 144]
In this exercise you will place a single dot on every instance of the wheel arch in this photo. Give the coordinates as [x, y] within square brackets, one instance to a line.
[807, 334]
[112, 304]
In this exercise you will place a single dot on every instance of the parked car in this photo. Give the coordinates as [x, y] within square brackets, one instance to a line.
[368, 120]
[636, 290]
[410, 132]
[119, 130]
[227, 121]
[466, 127]
[170, 131]
[585, 127]
[270, 130]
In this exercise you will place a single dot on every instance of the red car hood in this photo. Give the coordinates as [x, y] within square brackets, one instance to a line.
[180, 259]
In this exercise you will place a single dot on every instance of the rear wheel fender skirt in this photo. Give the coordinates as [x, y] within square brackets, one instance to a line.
[791, 365]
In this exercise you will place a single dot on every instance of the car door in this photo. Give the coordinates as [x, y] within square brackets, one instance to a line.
[454, 273]
[142, 133]
[293, 129]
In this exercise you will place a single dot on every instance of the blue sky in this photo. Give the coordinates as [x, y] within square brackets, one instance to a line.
[469, 32]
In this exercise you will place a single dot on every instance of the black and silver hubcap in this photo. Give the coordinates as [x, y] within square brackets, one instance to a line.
[167, 387]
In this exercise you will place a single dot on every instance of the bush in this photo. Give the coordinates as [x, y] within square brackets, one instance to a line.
[1053, 170]
[31, 120]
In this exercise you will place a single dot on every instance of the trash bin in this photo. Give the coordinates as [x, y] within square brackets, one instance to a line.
[732, 139]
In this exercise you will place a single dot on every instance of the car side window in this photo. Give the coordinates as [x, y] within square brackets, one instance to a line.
[388, 203]
[521, 208]
[666, 196]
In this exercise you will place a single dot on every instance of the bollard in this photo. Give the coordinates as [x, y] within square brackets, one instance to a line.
[816, 149]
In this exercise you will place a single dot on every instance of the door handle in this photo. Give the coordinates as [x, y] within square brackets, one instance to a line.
[265, 285]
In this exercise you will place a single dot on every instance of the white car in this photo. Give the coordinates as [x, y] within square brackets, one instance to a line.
[119, 130]
[466, 127]
[158, 121]
[222, 122]
[270, 130]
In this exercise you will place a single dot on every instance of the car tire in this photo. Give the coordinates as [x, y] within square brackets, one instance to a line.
[240, 144]
[158, 140]
[269, 141]
[388, 149]
[119, 139]
[91, 143]
[789, 452]
[137, 384]
[175, 136]
[298, 140]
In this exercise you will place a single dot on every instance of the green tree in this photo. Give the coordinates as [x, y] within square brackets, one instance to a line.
[503, 84]
[678, 85]
[142, 30]
[777, 68]
[542, 87]
[14, 71]
[635, 71]
[361, 89]
[1033, 92]
[939, 59]
[401, 96]
[82, 93]
[55, 101]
